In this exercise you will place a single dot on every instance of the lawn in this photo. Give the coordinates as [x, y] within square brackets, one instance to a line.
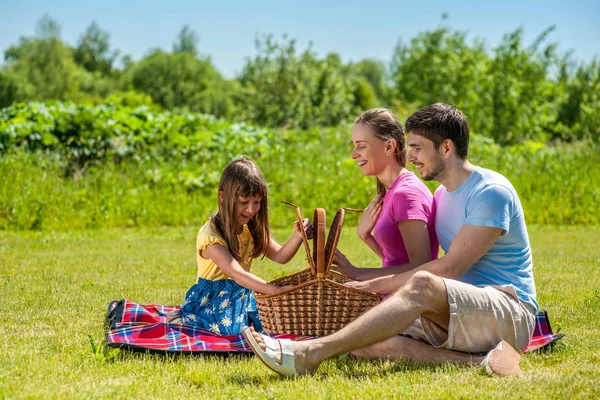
[55, 287]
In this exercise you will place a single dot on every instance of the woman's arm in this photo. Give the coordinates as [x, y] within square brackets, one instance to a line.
[418, 248]
[470, 244]
[229, 265]
[416, 241]
[370, 241]
[283, 254]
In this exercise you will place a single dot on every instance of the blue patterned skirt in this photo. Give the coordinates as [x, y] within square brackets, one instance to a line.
[222, 306]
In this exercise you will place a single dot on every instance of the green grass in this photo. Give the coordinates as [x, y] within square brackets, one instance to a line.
[55, 286]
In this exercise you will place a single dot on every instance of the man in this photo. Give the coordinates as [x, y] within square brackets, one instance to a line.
[478, 298]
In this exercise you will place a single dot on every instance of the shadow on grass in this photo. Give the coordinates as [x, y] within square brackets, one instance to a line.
[127, 352]
[346, 368]
[243, 379]
[365, 369]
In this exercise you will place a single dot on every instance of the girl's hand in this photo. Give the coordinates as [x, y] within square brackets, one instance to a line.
[343, 266]
[283, 288]
[369, 218]
[306, 227]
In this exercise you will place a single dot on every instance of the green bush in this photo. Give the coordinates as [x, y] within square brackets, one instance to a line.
[68, 166]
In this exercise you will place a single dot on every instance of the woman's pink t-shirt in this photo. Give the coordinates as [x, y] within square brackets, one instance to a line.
[408, 198]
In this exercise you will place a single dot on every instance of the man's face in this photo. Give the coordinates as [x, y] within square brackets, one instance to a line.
[423, 154]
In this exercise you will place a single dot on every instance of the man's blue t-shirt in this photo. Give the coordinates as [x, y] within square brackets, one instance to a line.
[487, 198]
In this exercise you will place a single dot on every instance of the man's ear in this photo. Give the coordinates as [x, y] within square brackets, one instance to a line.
[447, 148]
[220, 196]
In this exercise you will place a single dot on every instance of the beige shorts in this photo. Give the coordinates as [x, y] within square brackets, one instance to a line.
[480, 317]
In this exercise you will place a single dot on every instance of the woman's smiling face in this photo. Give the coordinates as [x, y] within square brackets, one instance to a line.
[369, 151]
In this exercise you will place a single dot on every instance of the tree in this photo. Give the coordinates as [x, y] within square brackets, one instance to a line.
[374, 72]
[14, 87]
[287, 88]
[186, 41]
[509, 96]
[43, 69]
[523, 98]
[47, 28]
[182, 80]
[364, 95]
[439, 66]
[93, 50]
[578, 112]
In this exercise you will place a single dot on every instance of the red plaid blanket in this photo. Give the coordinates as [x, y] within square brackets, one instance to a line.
[143, 327]
[136, 326]
[542, 333]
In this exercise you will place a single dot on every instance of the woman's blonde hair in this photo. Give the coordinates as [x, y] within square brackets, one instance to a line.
[242, 177]
[385, 126]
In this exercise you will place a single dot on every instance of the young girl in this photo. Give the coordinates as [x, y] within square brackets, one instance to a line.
[398, 225]
[222, 299]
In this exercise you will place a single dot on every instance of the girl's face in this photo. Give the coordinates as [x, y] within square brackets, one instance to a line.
[369, 151]
[245, 208]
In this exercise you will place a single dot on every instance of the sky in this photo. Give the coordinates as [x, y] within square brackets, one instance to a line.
[353, 29]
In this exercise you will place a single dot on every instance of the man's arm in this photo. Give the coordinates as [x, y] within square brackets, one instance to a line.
[470, 244]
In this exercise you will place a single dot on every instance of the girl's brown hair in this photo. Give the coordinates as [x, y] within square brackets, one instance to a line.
[385, 126]
[242, 177]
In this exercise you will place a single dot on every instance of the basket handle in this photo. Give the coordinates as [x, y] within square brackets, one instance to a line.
[304, 237]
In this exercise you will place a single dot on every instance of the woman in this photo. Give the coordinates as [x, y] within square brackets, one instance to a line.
[398, 224]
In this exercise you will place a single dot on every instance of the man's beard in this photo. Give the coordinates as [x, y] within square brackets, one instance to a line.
[437, 170]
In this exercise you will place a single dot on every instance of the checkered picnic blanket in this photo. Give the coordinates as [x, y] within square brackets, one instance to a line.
[136, 326]
[143, 327]
[542, 333]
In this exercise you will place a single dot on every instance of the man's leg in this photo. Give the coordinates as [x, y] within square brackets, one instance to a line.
[399, 348]
[424, 294]
[502, 360]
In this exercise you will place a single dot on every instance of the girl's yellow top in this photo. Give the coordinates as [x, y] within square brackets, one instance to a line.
[207, 236]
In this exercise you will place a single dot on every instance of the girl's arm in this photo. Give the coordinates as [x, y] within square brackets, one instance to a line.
[283, 254]
[229, 265]
[416, 241]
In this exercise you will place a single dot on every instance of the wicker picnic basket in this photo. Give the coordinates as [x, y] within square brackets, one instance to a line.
[319, 304]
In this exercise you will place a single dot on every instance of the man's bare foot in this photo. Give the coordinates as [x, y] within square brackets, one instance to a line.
[503, 360]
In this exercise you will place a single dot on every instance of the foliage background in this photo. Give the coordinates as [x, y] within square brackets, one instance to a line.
[90, 138]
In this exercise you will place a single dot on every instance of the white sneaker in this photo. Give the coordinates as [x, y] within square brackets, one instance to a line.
[502, 360]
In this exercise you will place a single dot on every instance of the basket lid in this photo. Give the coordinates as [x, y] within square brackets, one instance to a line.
[304, 237]
[333, 238]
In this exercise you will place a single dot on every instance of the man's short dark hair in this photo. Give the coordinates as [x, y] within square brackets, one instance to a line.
[438, 122]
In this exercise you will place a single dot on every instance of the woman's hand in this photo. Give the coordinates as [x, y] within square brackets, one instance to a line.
[343, 266]
[307, 227]
[369, 218]
[365, 286]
